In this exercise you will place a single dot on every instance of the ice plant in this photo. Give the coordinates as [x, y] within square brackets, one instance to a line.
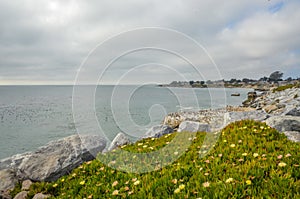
[206, 184]
[115, 192]
[255, 155]
[136, 182]
[82, 182]
[229, 180]
[244, 154]
[182, 186]
[232, 145]
[177, 190]
[282, 164]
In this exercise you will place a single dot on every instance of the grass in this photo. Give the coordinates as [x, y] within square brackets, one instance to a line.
[282, 88]
[249, 160]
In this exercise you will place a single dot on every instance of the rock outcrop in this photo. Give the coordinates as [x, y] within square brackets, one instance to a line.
[158, 131]
[50, 162]
[120, 140]
[190, 126]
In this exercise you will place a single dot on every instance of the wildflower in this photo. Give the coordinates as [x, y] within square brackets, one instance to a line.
[82, 182]
[174, 181]
[244, 127]
[279, 157]
[220, 155]
[206, 174]
[177, 190]
[190, 139]
[152, 139]
[240, 141]
[90, 196]
[224, 140]
[62, 180]
[115, 183]
[282, 164]
[244, 154]
[126, 188]
[288, 155]
[232, 145]
[167, 142]
[89, 162]
[130, 192]
[248, 182]
[206, 161]
[151, 148]
[136, 182]
[55, 185]
[74, 174]
[261, 127]
[134, 179]
[263, 155]
[255, 155]
[205, 184]
[229, 180]
[145, 146]
[182, 186]
[140, 144]
[175, 153]
[115, 192]
[241, 160]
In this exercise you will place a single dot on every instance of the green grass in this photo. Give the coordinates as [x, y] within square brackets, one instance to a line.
[246, 152]
[282, 88]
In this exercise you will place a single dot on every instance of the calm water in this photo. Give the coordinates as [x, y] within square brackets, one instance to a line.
[31, 116]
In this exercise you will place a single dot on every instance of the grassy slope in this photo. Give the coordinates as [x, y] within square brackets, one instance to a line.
[225, 161]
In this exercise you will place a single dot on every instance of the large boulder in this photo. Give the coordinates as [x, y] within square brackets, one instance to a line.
[193, 127]
[7, 182]
[120, 140]
[230, 117]
[284, 123]
[294, 112]
[158, 131]
[55, 159]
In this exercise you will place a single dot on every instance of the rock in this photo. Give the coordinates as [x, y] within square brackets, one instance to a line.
[26, 185]
[294, 112]
[284, 123]
[40, 196]
[120, 140]
[21, 195]
[5, 195]
[193, 127]
[293, 135]
[55, 159]
[158, 131]
[237, 116]
[270, 108]
[8, 180]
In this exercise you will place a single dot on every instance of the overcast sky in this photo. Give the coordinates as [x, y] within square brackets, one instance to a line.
[46, 41]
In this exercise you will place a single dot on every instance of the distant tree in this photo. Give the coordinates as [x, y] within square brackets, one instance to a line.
[191, 82]
[232, 81]
[264, 79]
[289, 79]
[208, 82]
[202, 82]
[276, 76]
[245, 80]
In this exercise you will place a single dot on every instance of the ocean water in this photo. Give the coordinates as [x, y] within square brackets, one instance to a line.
[31, 116]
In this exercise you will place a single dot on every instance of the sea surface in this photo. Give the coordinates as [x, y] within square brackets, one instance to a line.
[31, 116]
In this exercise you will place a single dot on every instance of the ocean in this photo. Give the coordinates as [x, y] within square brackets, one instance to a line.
[31, 116]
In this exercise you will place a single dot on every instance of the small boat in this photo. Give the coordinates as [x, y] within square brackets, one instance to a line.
[235, 94]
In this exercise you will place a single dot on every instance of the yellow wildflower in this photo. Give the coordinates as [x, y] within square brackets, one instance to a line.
[244, 154]
[55, 185]
[115, 192]
[229, 180]
[177, 190]
[282, 164]
[248, 182]
[182, 186]
[255, 155]
[232, 145]
[136, 182]
[62, 180]
[82, 182]
[115, 183]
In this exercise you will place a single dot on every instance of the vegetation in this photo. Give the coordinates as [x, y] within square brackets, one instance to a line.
[282, 88]
[250, 160]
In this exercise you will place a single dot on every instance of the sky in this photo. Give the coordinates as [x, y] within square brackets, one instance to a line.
[83, 42]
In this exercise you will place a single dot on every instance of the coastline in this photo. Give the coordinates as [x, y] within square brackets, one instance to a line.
[267, 108]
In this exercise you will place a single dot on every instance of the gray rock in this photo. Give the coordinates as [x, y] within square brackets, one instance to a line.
[293, 135]
[252, 115]
[284, 123]
[120, 140]
[193, 127]
[8, 180]
[26, 185]
[55, 159]
[40, 196]
[21, 195]
[294, 112]
[158, 131]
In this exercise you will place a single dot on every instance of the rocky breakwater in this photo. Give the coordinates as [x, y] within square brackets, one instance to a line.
[49, 162]
[280, 110]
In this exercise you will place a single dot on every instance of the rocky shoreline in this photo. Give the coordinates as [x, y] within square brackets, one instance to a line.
[280, 110]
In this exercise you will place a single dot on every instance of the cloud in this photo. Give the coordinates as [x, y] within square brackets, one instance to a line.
[46, 41]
